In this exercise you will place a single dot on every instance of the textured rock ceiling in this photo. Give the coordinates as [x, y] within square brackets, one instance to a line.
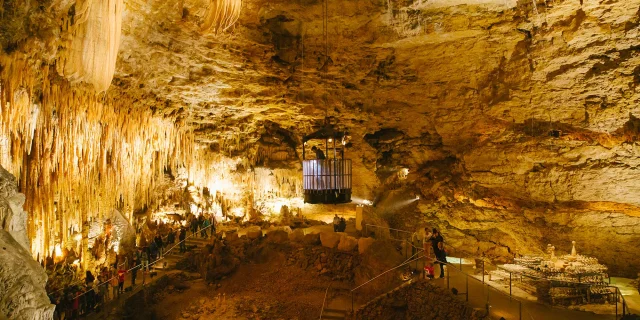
[516, 119]
[512, 118]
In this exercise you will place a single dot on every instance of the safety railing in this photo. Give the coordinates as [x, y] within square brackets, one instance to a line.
[324, 301]
[496, 300]
[138, 266]
[353, 291]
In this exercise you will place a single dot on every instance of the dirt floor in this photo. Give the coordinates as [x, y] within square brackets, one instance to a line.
[263, 290]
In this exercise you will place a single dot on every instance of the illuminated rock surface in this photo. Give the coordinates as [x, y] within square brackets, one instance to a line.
[517, 122]
[22, 280]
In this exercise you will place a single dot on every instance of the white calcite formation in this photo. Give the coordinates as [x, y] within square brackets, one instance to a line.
[22, 279]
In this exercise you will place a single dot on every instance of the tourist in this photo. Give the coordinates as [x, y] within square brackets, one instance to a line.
[134, 270]
[429, 271]
[435, 238]
[153, 251]
[75, 308]
[113, 282]
[441, 255]
[200, 222]
[160, 245]
[342, 225]
[205, 225]
[144, 258]
[89, 278]
[336, 222]
[103, 289]
[319, 154]
[181, 237]
[426, 236]
[121, 274]
[193, 225]
[171, 237]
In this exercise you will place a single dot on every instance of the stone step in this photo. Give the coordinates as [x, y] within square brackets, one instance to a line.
[332, 317]
[335, 311]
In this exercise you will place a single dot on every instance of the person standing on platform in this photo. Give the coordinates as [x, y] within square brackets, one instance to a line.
[336, 223]
[441, 256]
[319, 171]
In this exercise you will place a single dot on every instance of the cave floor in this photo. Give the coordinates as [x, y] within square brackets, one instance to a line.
[264, 290]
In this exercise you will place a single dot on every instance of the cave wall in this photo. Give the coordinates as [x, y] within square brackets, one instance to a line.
[22, 279]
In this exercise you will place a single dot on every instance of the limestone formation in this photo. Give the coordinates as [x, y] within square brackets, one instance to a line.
[22, 282]
[347, 243]
[330, 239]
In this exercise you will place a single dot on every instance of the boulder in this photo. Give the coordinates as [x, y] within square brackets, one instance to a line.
[277, 236]
[254, 233]
[231, 236]
[296, 235]
[330, 239]
[347, 243]
[311, 239]
[364, 244]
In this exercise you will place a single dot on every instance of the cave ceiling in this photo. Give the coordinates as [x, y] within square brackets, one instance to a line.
[533, 98]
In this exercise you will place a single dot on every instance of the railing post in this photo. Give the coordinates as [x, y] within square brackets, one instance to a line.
[616, 303]
[509, 285]
[520, 310]
[448, 271]
[467, 286]
[351, 301]
[483, 271]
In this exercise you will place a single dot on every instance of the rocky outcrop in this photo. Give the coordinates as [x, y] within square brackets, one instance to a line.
[22, 282]
[417, 300]
[22, 279]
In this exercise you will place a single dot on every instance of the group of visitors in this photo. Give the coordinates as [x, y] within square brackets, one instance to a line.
[339, 224]
[202, 223]
[75, 301]
[434, 250]
[92, 294]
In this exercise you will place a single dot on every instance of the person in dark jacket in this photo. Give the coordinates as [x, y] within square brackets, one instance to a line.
[181, 237]
[441, 256]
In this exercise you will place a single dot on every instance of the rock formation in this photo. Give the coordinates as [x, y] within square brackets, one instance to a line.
[514, 122]
[22, 280]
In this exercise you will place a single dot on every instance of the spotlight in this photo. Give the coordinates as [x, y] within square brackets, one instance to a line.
[417, 197]
[330, 140]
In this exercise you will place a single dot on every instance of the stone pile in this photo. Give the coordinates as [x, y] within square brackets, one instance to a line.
[323, 261]
[417, 300]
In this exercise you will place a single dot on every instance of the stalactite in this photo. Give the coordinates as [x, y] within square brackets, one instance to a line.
[94, 42]
[68, 144]
[221, 15]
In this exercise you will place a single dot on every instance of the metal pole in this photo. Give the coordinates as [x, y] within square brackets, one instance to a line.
[447, 278]
[509, 285]
[482, 271]
[616, 303]
[520, 310]
[467, 286]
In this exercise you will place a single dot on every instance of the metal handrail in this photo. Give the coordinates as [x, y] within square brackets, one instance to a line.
[467, 276]
[324, 300]
[138, 265]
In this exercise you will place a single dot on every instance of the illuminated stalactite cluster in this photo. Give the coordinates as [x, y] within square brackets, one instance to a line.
[235, 188]
[74, 151]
